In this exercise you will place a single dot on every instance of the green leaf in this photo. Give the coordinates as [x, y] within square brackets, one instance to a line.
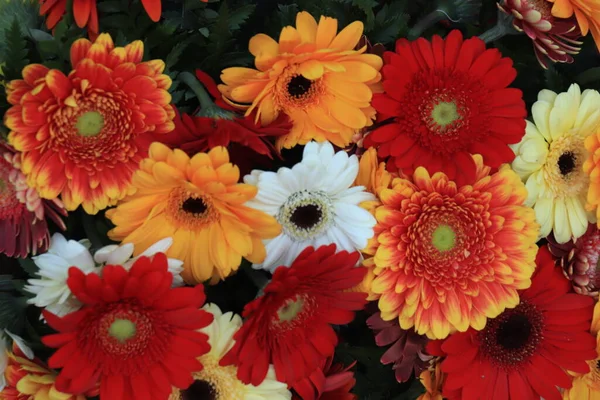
[589, 76]
[12, 312]
[16, 52]
[111, 6]
[28, 266]
[176, 53]
[240, 15]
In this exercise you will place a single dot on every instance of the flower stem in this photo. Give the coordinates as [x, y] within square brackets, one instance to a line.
[199, 90]
[503, 27]
[425, 23]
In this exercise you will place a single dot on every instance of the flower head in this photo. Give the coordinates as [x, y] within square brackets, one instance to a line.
[200, 204]
[522, 352]
[407, 350]
[587, 14]
[314, 203]
[313, 75]
[550, 159]
[328, 382]
[83, 135]
[448, 99]
[23, 214]
[220, 382]
[554, 39]
[448, 256]
[135, 334]
[290, 324]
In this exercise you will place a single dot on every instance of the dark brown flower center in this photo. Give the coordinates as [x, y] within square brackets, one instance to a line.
[194, 206]
[306, 216]
[298, 86]
[199, 390]
[566, 163]
[542, 6]
[513, 337]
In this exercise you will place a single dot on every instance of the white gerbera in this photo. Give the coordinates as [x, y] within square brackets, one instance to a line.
[315, 204]
[51, 290]
[550, 160]
[221, 383]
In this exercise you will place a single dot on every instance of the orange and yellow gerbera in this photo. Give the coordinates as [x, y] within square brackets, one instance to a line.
[200, 204]
[448, 257]
[31, 380]
[83, 135]
[314, 75]
[587, 13]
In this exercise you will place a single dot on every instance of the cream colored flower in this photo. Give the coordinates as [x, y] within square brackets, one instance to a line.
[550, 160]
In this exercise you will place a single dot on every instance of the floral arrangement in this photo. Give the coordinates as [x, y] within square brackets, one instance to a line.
[335, 200]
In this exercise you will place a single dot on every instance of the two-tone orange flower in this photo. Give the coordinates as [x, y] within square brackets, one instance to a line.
[314, 75]
[449, 256]
[83, 135]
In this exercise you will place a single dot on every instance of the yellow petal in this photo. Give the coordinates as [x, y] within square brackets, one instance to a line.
[348, 38]
[159, 151]
[357, 72]
[258, 253]
[306, 26]
[267, 111]
[311, 69]
[562, 8]
[325, 32]
[218, 156]
[288, 39]
[262, 45]
[345, 113]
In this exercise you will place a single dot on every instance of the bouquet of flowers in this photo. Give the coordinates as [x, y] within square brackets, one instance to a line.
[276, 200]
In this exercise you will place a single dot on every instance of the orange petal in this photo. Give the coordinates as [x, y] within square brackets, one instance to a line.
[348, 38]
[59, 84]
[306, 26]
[135, 51]
[33, 72]
[153, 8]
[81, 11]
[326, 32]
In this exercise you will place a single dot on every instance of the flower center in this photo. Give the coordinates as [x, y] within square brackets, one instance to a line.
[122, 329]
[90, 123]
[563, 169]
[513, 337]
[190, 210]
[566, 163]
[541, 6]
[443, 238]
[199, 390]
[290, 309]
[306, 214]
[298, 86]
[444, 114]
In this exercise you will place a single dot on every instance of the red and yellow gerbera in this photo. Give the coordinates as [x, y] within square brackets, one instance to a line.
[83, 135]
[314, 75]
[447, 256]
[448, 99]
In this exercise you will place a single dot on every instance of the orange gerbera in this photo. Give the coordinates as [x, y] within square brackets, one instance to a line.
[587, 13]
[83, 135]
[200, 204]
[449, 257]
[591, 167]
[312, 75]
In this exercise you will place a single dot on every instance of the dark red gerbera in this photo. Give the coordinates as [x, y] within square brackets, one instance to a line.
[328, 382]
[135, 334]
[23, 214]
[290, 324]
[448, 99]
[524, 352]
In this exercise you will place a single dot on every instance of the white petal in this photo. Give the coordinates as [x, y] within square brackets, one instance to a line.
[159, 247]
[275, 249]
[102, 253]
[341, 240]
[57, 243]
[590, 103]
[540, 111]
[341, 172]
[577, 216]
[355, 195]
[562, 227]
[547, 95]
[252, 178]
[544, 213]
[121, 254]
[564, 112]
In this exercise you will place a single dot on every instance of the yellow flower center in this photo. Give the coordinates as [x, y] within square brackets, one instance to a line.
[444, 114]
[90, 123]
[443, 238]
[563, 169]
[122, 329]
[190, 210]
[290, 309]
[214, 382]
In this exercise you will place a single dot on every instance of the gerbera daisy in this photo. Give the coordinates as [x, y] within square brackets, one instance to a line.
[447, 256]
[554, 39]
[579, 260]
[83, 135]
[18, 345]
[328, 382]
[314, 203]
[522, 353]
[432, 379]
[591, 168]
[312, 75]
[586, 386]
[290, 324]
[587, 13]
[135, 333]
[407, 350]
[550, 160]
[200, 204]
[216, 382]
[30, 379]
[448, 99]
[23, 214]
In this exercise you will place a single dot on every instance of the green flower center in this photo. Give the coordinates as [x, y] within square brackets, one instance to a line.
[443, 238]
[122, 329]
[3, 185]
[444, 114]
[90, 123]
[290, 309]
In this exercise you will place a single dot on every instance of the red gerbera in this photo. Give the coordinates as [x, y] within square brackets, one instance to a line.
[328, 382]
[134, 333]
[524, 352]
[448, 99]
[23, 214]
[290, 325]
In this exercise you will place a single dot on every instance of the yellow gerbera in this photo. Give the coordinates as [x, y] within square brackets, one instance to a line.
[200, 204]
[587, 386]
[312, 75]
[587, 13]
